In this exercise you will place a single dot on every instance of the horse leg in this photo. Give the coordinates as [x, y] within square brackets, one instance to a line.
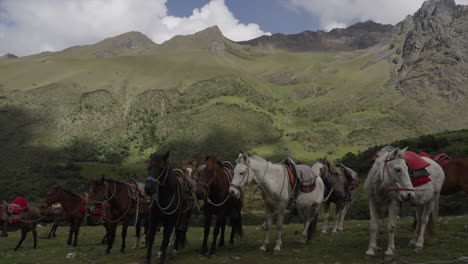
[223, 229]
[23, 236]
[70, 233]
[166, 237]
[206, 233]
[215, 233]
[279, 226]
[338, 211]
[54, 227]
[306, 213]
[391, 228]
[150, 240]
[124, 234]
[34, 232]
[77, 231]
[425, 212]
[137, 233]
[111, 237]
[374, 229]
[326, 209]
[413, 241]
[51, 231]
[343, 215]
[268, 223]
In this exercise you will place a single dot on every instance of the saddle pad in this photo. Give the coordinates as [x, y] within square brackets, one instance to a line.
[19, 205]
[420, 181]
[415, 161]
[306, 175]
[442, 159]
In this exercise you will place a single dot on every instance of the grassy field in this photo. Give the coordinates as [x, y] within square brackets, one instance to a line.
[347, 247]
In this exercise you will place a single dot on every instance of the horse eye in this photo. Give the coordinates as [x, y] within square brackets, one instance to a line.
[398, 170]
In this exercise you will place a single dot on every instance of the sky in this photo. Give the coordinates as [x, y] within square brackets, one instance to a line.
[33, 26]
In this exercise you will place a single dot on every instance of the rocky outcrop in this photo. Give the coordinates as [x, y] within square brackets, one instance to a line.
[358, 36]
[8, 56]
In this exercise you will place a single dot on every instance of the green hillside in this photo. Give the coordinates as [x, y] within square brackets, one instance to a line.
[118, 100]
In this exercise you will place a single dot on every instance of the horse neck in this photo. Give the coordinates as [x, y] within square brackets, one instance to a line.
[114, 189]
[375, 183]
[271, 184]
[220, 184]
[68, 201]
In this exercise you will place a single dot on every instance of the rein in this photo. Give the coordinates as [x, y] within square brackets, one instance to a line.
[159, 184]
[207, 186]
[106, 199]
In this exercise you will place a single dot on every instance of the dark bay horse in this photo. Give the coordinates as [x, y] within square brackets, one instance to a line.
[456, 176]
[168, 204]
[26, 223]
[53, 215]
[123, 203]
[73, 206]
[214, 180]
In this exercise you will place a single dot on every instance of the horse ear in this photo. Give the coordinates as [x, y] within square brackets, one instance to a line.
[402, 152]
[394, 153]
[240, 155]
[166, 156]
[245, 158]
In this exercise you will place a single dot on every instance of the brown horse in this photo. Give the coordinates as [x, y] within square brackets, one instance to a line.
[456, 176]
[124, 203]
[73, 206]
[214, 180]
[26, 223]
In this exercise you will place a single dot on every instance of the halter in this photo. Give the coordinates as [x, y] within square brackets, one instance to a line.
[158, 183]
[106, 197]
[398, 188]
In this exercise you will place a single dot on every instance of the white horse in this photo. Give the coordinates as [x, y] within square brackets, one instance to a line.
[273, 181]
[388, 185]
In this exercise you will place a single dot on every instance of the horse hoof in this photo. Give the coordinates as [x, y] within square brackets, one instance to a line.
[122, 251]
[417, 250]
[213, 255]
[263, 248]
[369, 257]
[276, 252]
[388, 258]
[106, 253]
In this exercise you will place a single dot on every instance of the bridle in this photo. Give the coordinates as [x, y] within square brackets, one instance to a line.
[398, 188]
[161, 183]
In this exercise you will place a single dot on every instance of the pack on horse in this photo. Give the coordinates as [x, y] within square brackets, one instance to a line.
[74, 207]
[388, 184]
[169, 205]
[340, 188]
[214, 177]
[19, 216]
[116, 202]
[279, 184]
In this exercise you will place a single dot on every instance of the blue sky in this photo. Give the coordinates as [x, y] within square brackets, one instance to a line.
[33, 26]
[272, 15]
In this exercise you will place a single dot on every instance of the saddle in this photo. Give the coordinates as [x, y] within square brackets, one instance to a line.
[417, 169]
[301, 177]
[351, 176]
[442, 159]
[17, 209]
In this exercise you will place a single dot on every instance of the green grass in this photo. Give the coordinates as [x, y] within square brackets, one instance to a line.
[346, 247]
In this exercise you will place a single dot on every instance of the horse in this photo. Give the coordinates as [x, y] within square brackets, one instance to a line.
[27, 223]
[388, 184]
[213, 187]
[337, 192]
[55, 216]
[273, 182]
[124, 203]
[73, 206]
[168, 205]
[456, 176]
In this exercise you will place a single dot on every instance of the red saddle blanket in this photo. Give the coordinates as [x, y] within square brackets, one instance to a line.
[17, 209]
[416, 163]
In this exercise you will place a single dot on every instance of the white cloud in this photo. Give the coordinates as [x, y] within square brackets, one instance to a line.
[345, 12]
[31, 26]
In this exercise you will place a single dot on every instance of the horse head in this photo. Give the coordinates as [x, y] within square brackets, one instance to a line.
[391, 172]
[189, 169]
[206, 174]
[158, 172]
[52, 197]
[243, 175]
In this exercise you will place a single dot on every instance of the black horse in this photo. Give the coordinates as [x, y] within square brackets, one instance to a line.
[168, 205]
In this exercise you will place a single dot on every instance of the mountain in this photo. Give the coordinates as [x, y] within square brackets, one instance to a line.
[358, 36]
[8, 56]
[120, 99]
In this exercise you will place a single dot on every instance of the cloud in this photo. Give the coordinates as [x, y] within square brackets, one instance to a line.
[31, 26]
[341, 13]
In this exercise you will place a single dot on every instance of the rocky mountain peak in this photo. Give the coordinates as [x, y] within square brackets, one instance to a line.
[8, 56]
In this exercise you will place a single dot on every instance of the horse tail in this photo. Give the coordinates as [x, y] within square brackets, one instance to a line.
[432, 224]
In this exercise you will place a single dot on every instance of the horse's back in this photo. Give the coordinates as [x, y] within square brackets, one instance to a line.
[436, 173]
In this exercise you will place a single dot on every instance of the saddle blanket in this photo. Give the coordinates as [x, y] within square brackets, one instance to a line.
[305, 180]
[417, 168]
[351, 176]
[17, 209]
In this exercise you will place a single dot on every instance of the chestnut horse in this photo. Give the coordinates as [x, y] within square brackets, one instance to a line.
[169, 204]
[73, 206]
[456, 176]
[124, 203]
[214, 180]
[27, 223]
